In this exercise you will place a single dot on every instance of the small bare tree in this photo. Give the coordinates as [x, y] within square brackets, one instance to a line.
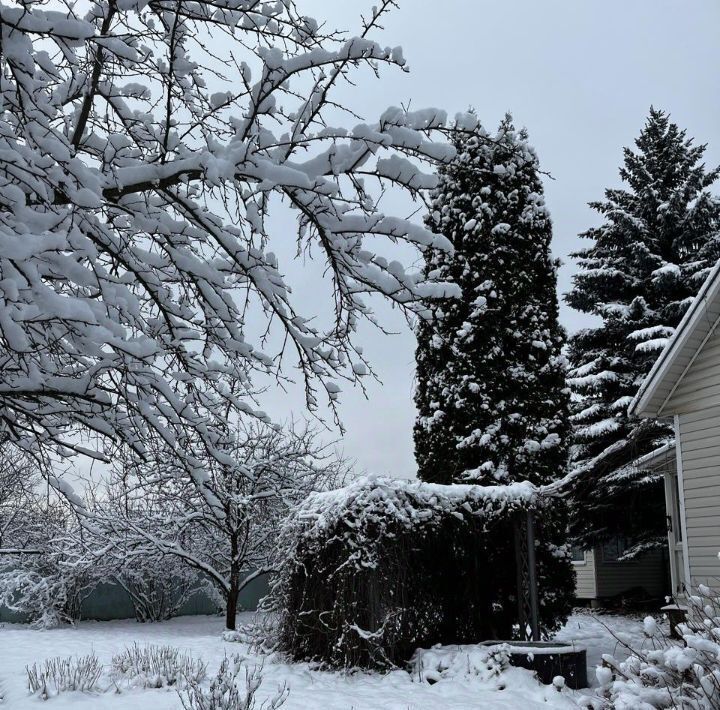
[225, 526]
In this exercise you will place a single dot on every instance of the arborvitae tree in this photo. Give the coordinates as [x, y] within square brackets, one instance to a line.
[491, 392]
[657, 242]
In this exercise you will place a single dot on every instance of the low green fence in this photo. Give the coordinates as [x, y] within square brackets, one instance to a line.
[110, 601]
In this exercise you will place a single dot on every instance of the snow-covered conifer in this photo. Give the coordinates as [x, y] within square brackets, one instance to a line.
[491, 392]
[658, 239]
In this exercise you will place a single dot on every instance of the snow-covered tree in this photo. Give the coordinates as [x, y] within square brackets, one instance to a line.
[143, 145]
[19, 478]
[659, 237]
[225, 529]
[43, 574]
[491, 394]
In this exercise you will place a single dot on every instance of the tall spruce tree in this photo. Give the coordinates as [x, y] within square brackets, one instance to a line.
[657, 242]
[491, 393]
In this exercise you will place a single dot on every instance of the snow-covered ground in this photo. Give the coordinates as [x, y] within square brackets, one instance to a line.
[21, 646]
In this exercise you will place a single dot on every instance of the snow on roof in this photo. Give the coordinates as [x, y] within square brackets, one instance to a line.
[698, 324]
[652, 464]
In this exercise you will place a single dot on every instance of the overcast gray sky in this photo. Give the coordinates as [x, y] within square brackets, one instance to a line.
[580, 75]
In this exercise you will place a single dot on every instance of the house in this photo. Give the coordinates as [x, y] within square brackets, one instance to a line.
[684, 384]
[602, 575]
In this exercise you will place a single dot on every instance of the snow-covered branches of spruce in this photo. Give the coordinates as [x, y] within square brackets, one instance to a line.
[143, 145]
[657, 242]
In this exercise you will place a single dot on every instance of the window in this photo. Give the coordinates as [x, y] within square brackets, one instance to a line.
[613, 549]
[577, 554]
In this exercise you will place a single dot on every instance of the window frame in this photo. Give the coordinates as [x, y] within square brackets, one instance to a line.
[583, 561]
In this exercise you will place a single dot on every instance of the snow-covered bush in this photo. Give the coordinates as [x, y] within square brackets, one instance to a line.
[43, 590]
[670, 674]
[45, 578]
[157, 666]
[158, 585]
[39, 577]
[260, 635]
[224, 693]
[450, 662]
[377, 569]
[57, 675]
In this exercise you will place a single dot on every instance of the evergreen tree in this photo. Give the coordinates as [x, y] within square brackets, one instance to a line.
[657, 242]
[491, 393]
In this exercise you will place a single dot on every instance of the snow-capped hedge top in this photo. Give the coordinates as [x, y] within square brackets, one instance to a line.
[360, 512]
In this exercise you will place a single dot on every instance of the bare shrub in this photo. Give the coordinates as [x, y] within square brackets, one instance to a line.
[668, 674]
[260, 634]
[224, 693]
[158, 666]
[57, 675]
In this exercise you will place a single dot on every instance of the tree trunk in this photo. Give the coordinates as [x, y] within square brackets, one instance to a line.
[234, 587]
[231, 607]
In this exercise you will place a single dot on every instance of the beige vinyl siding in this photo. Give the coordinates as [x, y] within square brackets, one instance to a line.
[699, 389]
[585, 577]
[696, 400]
[648, 572]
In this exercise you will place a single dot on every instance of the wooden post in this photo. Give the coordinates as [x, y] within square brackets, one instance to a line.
[527, 586]
[532, 577]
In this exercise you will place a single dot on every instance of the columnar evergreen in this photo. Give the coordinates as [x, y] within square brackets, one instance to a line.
[491, 393]
[657, 242]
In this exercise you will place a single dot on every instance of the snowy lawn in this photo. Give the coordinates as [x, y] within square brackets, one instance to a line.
[309, 688]
[603, 633]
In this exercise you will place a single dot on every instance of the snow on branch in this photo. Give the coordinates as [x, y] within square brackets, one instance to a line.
[141, 147]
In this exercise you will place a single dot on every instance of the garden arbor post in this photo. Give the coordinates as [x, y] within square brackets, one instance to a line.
[528, 610]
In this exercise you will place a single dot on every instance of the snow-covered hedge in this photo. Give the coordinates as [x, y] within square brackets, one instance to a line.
[377, 569]
[667, 673]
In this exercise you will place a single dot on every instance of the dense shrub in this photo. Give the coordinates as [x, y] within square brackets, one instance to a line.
[375, 570]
